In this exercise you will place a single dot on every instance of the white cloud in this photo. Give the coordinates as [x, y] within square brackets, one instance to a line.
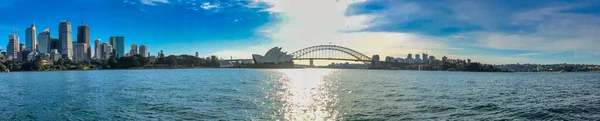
[153, 2]
[305, 23]
[208, 5]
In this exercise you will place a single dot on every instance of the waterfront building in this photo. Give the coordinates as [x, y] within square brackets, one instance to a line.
[32, 56]
[55, 55]
[23, 55]
[409, 56]
[390, 59]
[417, 58]
[143, 51]
[444, 59]
[80, 54]
[55, 44]
[197, 55]
[65, 37]
[425, 57]
[106, 51]
[30, 39]
[83, 36]
[375, 63]
[273, 56]
[134, 50]
[45, 41]
[13, 47]
[21, 47]
[97, 49]
[118, 44]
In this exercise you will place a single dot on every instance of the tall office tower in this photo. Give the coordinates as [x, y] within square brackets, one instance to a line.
[133, 50]
[106, 50]
[83, 36]
[13, 47]
[30, 38]
[45, 41]
[97, 49]
[425, 56]
[118, 45]
[55, 44]
[65, 37]
[143, 50]
[79, 52]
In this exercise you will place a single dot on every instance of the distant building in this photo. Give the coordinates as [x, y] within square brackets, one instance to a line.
[417, 58]
[118, 44]
[23, 55]
[80, 54]
[83, 36]
[106, 50]
[134, 50]
[390, 59]
[143, 51]
[32, 56]
[409, 56]
[55, 44]
[444, 59]
[65, 37]
[45, 41]
[30, 38]
[425, 57]
[97, 49]
[197, 55]
[55, 55]
[375, 63]
[13, 47]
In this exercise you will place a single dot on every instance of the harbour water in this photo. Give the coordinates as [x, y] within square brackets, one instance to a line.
[297, 94]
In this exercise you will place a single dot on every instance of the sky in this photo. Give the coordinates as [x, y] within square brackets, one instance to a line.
[488, 31]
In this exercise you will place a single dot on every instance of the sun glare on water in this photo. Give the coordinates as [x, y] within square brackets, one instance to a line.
[306, 96]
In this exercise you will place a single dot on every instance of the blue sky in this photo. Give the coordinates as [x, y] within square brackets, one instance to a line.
[489, 31]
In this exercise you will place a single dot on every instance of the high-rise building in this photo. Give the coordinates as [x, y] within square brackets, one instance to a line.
[55, 44]
[425, 56]
[55, 55]
[65, 37]
[197, 56]
[22, 47]
[80, 55]
[134, 50]
[83, 36]
[409, 56]
[417, 58]
[13, 47]
[97, 49]
[30, 38]
[45, 41]
[118, 45]
[106, 50]
[143, 50]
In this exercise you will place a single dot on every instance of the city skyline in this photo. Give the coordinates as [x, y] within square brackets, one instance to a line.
[241, 28]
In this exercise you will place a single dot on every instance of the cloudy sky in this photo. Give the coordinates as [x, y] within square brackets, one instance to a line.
[489, 31]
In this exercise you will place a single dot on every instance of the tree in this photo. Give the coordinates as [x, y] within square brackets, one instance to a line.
[2, 67]
[112, 61]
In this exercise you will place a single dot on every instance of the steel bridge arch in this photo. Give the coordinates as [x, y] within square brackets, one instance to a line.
[297, 55]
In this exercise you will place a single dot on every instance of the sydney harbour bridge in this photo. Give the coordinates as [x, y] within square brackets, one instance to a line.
[329, 52]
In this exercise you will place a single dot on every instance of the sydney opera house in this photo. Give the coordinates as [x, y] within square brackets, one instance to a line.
[273, 56]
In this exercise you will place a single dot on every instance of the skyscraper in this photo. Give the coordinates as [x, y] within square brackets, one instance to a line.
[80, 55]
[65, 37]
[106, 50]
[97, 49]
[30, 38]
[118, 44]
[55, 44]
[13, 47]
[83, 36]
[134, 50]
[143, 50]
[45, 41]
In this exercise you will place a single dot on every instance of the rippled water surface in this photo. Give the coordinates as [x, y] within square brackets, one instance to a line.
[297, 94]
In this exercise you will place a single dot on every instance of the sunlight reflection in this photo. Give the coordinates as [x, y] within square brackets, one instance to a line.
[306, 95]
